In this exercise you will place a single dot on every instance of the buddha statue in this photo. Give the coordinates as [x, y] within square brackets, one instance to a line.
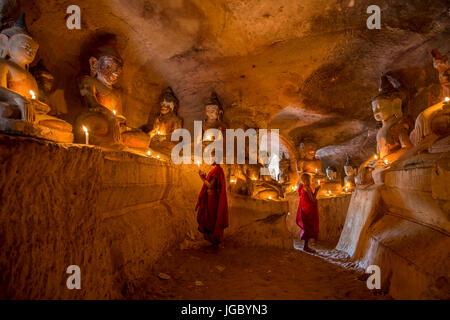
[350, 174]
[106, 125]
[167, 122]
[331, 185]
[284, 175]
[214, 115]
[393, 137]
[21, 111]
[308, 162]
[47, 93]
[433, 123]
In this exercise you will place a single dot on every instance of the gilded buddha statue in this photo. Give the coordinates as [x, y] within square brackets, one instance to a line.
[104, 120]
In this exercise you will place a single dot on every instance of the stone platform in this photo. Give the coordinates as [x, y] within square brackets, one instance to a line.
[111, 213]
[403, 226]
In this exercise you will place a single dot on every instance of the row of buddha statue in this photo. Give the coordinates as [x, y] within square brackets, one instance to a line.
[25, 107]
[330, 182]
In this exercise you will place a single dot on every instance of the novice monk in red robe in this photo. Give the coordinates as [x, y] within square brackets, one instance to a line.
[308, 212]
[212, 205]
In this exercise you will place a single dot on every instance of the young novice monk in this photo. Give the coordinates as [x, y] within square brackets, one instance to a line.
[308, 213]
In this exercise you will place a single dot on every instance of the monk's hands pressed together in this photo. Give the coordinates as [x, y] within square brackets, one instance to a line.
[202, 174]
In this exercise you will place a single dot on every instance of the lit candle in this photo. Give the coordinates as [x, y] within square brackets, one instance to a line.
[86, 134]
[114, 112]
[386, 162]
[198, 164]
[376, 157]
[316, 170]
[447, 99]
[270, 198]
[33, 96]
[157, 157]
[329, 193]
[346, 189]
[149, 153]
[319, 182]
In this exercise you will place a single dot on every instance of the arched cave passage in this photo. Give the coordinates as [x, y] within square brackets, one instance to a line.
[88, 177]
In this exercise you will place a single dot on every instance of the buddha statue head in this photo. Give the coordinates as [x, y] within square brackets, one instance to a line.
[168, 101]
[440, 62]
[17, 43]
[308, 150]
[213, 109]
[349, 168]
[331, 173]
[105, 62]
[388, 103]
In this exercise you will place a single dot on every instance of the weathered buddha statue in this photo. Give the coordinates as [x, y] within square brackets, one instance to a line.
[440, 63]
[350, 173]
[47, 93]
[264, 186]
[213, 115]
[308, 163]
[393, 137]
[433, 123]
[106, 125]
[21, 112]
[167, 122]
[331, 186]
[284, 175]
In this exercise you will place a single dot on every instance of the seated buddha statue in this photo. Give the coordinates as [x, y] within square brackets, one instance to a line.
[330, 186]
[393, 137]
[21, 112]
[433, 123]
[47, 93]
[106, 125]
[166, 123]
[350, 174]
[308, 163]
[213, 115]
[284, 175]
[265, 186]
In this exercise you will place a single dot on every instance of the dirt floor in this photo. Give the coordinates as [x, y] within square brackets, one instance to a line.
[251, 273]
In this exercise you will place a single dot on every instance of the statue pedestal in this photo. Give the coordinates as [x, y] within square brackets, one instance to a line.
[23, 128]
[402, 226]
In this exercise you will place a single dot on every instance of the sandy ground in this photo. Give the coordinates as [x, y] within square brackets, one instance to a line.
[250, 273]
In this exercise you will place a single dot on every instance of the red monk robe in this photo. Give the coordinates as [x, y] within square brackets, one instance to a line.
[212, 206]
[307, 215]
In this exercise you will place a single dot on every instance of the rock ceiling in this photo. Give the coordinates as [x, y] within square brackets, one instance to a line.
[307, 67]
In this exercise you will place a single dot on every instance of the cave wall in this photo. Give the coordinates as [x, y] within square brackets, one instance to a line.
[113, 214]
[403, 227]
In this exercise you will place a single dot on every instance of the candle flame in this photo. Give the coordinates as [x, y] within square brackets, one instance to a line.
[376, 157]
[85, 130]
[33, 95]
[447, 99]
[114, 111]
[149, 153]
[157, 156]
[386, 161]
[270, 198]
